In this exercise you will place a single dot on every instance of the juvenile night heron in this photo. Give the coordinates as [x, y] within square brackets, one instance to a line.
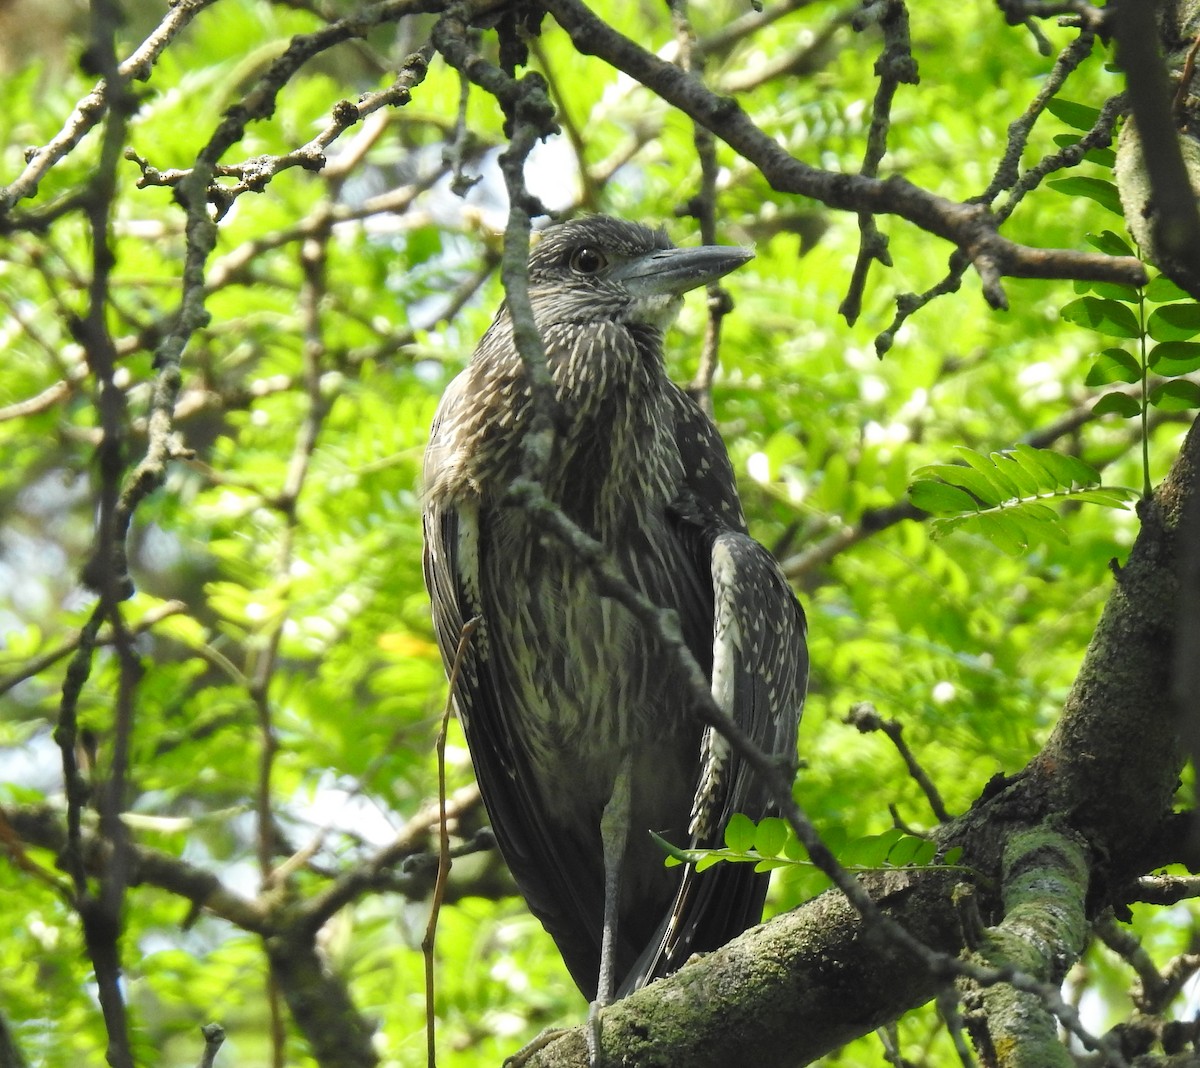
[579, 721]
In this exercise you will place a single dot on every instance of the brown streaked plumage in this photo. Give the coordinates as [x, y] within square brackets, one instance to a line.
[579, 725]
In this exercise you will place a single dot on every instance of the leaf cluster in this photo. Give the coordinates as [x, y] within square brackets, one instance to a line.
[770, 844]
[1009, 496]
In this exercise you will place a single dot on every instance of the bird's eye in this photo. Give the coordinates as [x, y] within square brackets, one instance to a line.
[586, 260]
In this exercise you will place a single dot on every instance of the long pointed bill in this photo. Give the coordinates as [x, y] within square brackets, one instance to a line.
[672, 271]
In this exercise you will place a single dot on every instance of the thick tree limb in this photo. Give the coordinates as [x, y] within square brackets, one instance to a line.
[319, 1002]
[744, 1003]
[1158, 166]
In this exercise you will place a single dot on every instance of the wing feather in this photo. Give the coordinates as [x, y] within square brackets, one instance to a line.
[759, 677]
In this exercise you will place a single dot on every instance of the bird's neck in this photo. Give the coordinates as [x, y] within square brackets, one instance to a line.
[613, 455]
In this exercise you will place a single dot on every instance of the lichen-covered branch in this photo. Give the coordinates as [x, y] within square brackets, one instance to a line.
[1043, 932]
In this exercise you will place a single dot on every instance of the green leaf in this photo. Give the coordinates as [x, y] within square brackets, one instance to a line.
[938, 498]
[422, 244]
[794, 849]
[1175, 358]
[1027, 485]
[1080, 116]
[1101, 191]
[1107, 317]
[804, 883]
[1114, 291]
[1005, 486]
[740, 832]
[906, 850]
[1177, 395]
[1035, 511]
[925, 854]
[870, 851]
[953, 856]
[1068, 470]
[1117, 404]
[1162, 290]
[964, 476]
[770, 836]
[1033, 462]
[1174, 322]
[1003, 533]
[1114, 365]
[1109, 242]
[1013, 493]
[1108, 496]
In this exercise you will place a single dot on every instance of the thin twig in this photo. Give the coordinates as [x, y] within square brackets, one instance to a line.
[895, 67]
[193, 192]
[214, 1037]
[948, 1010]
[529, 118]
[48, 398]
[34, 667]
[1166, 889]
[735, 30]
[443, 867]
[1007, 175]
[92, 108]
[703, 208]
[969, 226]
[802, 61]
[864, 717]
[361, 878]
[11, 842]
[1185, 82]
[1129, 948]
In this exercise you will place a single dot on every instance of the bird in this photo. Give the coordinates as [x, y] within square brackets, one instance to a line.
[580, 722]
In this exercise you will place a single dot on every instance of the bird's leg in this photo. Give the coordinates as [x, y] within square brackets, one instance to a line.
[614, 834]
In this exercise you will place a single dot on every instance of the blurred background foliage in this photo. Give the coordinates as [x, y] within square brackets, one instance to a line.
[342, 302]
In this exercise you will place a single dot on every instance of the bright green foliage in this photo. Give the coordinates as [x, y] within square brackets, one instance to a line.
[290, 689]
[771, 844]
[1163, 334]
[1008, 496]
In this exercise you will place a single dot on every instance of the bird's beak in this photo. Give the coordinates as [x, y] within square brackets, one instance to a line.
[671, 271]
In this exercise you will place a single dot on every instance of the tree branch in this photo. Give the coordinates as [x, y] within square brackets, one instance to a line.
[1044, 930]
[92, 108]
[1157, 184]
[40, 825]
[969, 226]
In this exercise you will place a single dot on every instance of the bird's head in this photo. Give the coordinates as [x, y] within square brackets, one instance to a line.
[598, 267]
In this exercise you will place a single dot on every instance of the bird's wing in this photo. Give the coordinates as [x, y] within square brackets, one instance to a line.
[760, 672]
[759, 676]
[556, 874]
[760, 658]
